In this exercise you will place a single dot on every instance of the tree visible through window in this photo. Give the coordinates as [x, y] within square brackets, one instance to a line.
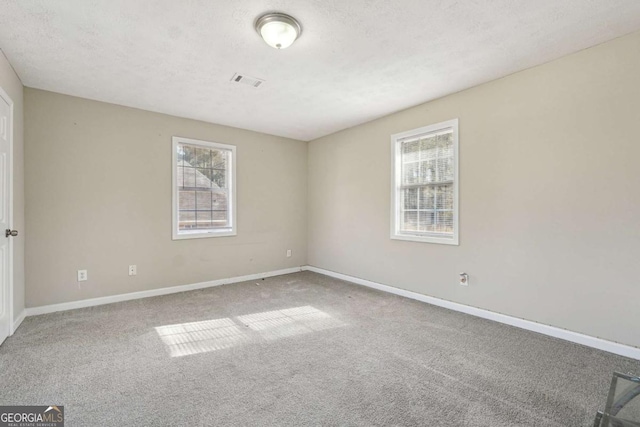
[203, 189]
[425, 184]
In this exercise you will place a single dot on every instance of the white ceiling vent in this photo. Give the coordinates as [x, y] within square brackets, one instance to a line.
[251, 81]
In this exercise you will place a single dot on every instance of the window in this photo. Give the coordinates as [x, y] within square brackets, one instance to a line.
[204, 197]
[424, 195]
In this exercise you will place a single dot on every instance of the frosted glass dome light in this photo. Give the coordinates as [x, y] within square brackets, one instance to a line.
[278, 30]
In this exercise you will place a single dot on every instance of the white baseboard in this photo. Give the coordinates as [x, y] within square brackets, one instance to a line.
[16, 323]
[34, 311]
[589, 341]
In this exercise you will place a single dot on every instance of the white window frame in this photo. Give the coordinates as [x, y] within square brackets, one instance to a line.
[231, 175]
[396, 180]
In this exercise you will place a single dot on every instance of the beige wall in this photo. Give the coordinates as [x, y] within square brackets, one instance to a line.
[549, 188]
[12, 85]
[99, 198]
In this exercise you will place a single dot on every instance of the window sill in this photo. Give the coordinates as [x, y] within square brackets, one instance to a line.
[427, 239]
[203, 235]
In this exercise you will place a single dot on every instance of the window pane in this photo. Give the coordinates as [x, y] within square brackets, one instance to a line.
[445, 169]
[188, 154]
[428, 160]
[203, 178]
[410, 173]
[409, 221]
[427, 198]
[428, 147]
[435, 206]
[428, 171]
[219, 201]
[444, 196]
[186, 220]
[433, 144]
[180, 174]
[189, 174]
[219, 159]
[445, 222]
[186, 200]
[203, 200]
[219, 219]
[427, 221]
[410, 196]
[410, 151]
[203, 157]
[203, 219]
[219, 178]
[438, 151]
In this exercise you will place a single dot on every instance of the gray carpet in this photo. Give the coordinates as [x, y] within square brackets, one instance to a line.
[300, 349]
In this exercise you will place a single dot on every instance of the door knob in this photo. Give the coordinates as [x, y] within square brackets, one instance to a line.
[12, 233]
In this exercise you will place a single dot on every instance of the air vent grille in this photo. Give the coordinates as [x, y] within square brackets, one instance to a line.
[247, 80]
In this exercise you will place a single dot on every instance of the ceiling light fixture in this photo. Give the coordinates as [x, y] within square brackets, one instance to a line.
[278, 30]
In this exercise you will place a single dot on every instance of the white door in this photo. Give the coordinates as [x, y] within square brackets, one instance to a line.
[5, 185]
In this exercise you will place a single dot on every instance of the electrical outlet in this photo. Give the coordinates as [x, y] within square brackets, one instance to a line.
[464, 279]
[288, 253]
[133, 270]
[82, 275]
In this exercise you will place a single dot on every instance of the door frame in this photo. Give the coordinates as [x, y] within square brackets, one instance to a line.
[5, 96]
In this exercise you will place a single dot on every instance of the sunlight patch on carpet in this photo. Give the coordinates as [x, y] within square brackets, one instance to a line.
[205, 336]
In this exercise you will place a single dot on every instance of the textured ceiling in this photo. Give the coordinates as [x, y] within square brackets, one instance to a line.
[356, 60]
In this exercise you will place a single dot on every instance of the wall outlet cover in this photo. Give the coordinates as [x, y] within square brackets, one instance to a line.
[464, 279]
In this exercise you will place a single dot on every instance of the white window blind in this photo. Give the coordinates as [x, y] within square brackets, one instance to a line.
[203, 189]
[425, 184]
